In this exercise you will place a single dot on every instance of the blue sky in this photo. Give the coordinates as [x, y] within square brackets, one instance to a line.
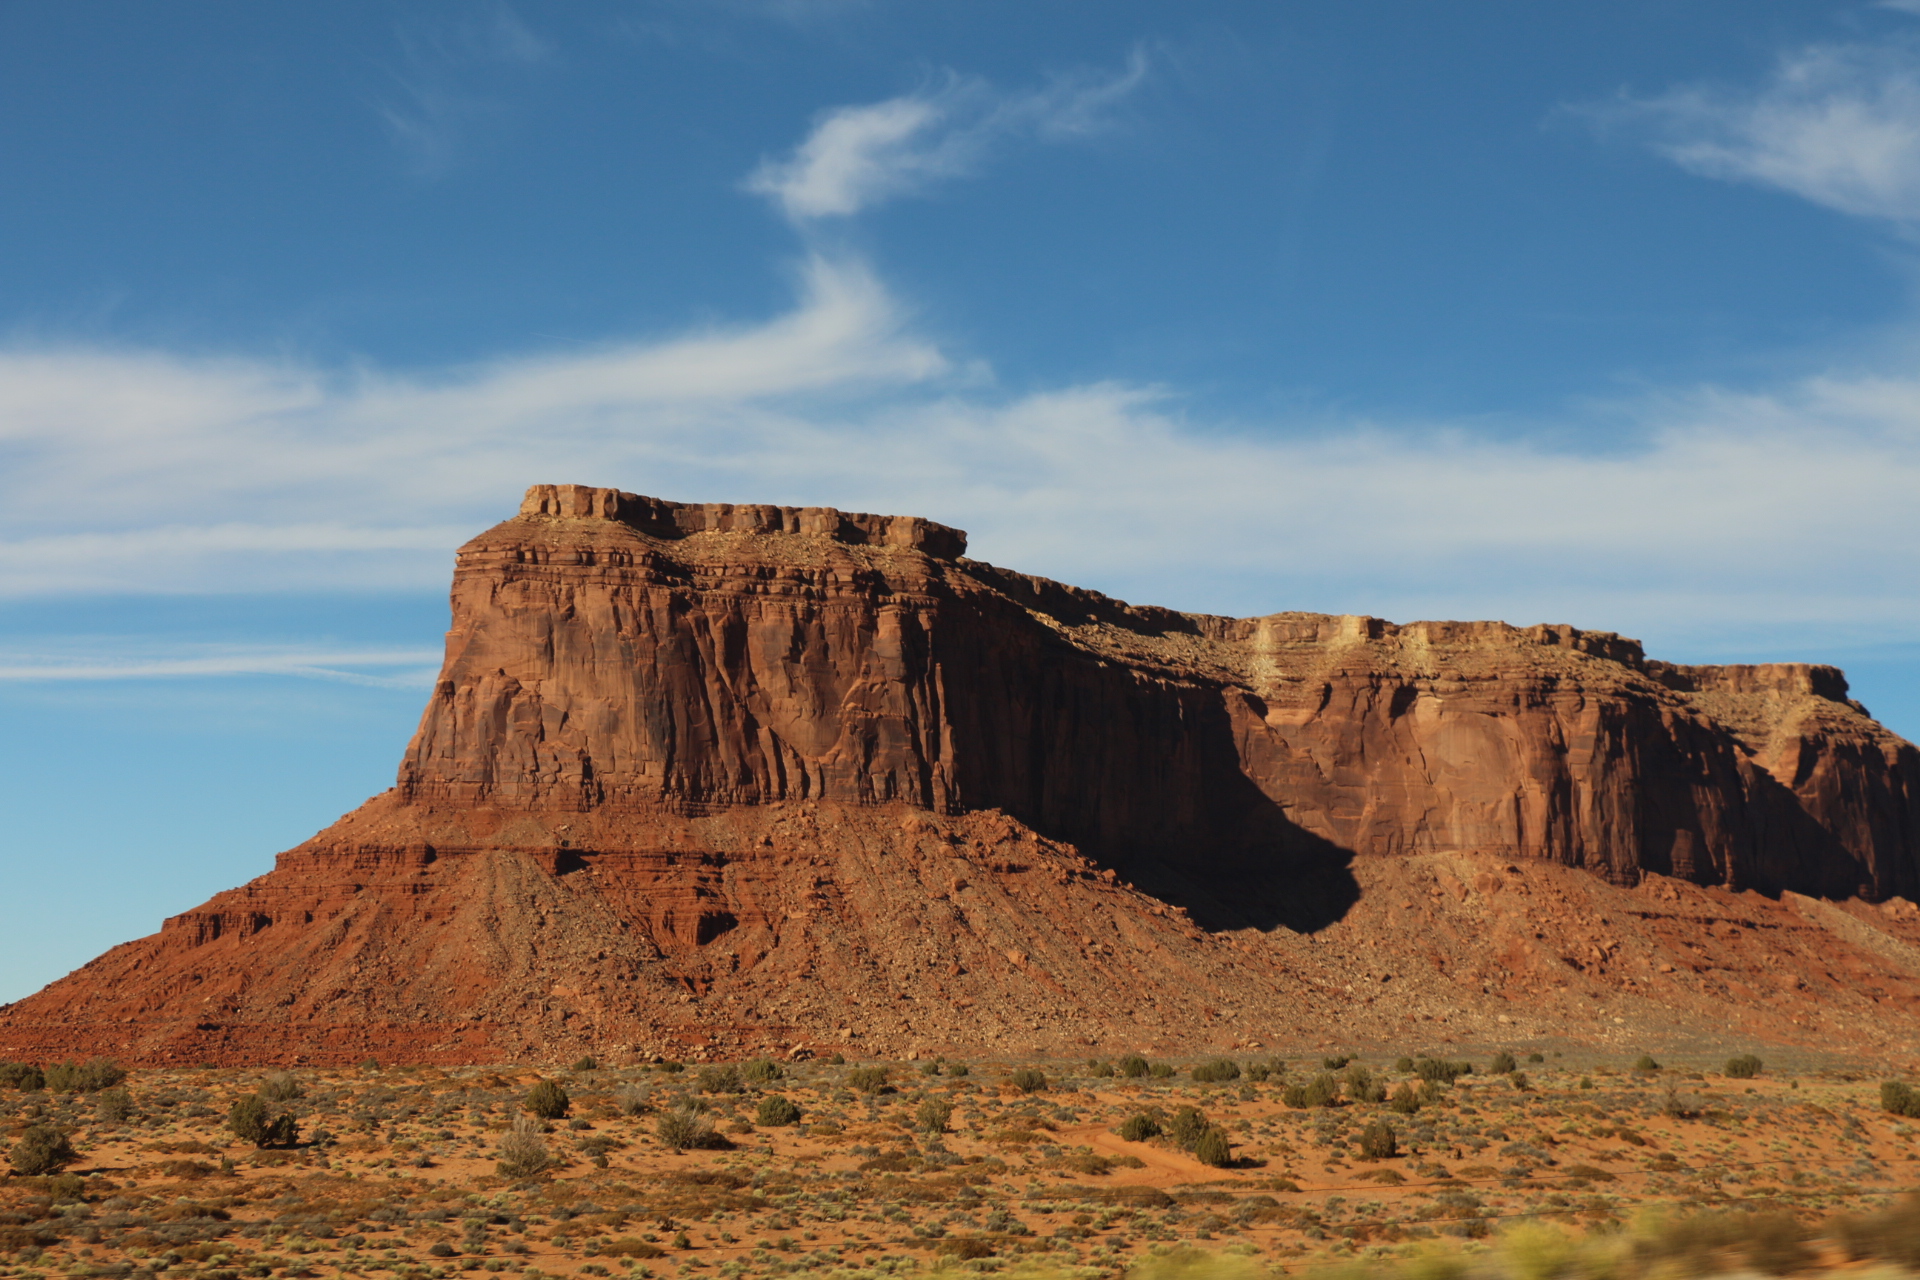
[1601, 314]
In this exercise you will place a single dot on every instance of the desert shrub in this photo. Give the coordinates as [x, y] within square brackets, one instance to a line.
[722, 1077]
[251, 1120]
[1536, 1057]
[1101, 1070]
[585, 1064]
[22, 1075]
[932, 1115]
[280, 1087]
[1900, 1099]
[1744, 1067]
[1219, 1071]
[1682, 1106]
[675, 1068]
[41, 1150]
[1404, 1100]
[1185, 1128]
[1403, 1065]
[548, 1100]
[248, 1120]
[1521, 1082]
[1161, 1071]
[868, 1079]
[1133, 1066]
[1502, 1063]
[1139, 1127]
[1891, 1235]
[1379, 1141]
[1440, 1070]
[1029, 1079]
[766, 1070]
[1259, 1072]
[1212, 1147]
[776, 1112]
[523, 1152]
[683, 1127]
[1321, 1091]
[631, 1099]
[114, 1106]
[957, 1069]
[1362, 1087]
[90, 1076]
[1645, 1062]
[1772, 1243]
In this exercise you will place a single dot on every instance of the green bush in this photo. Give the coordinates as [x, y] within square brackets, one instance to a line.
[1379, 1141]
[90, 1076]
[766, 1071]
[114, 1106]
[1334, 1064]
[775, 1112]
[1362, 1087]
[1185, 1128]
[957, 1069]
[1744, 1067]
[1029, 1079]
[1645, 1062]
[722, 1077]
[1404, 1066]
[1212, 1147]
[1161, 1071]
[1503, 1063]
[868, 1079]
[251, 1120]
[1321, 1091]
[1133, 1066]
[1219, 1071]
[931, 1069]
[548, 1100]
[1900, 1099]
[1536, 1057]
[22, 1075]
[1404, 1100]
[585, 1064]
[1260, 1072]
[932, 1115]
[1440, 1070]
[42, 1150]
[1521, 1082]
[1139, 1127]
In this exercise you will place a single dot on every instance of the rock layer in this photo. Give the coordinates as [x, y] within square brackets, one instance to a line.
[716, 774]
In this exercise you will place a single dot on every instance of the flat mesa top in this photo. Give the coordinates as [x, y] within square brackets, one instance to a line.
[660, 518]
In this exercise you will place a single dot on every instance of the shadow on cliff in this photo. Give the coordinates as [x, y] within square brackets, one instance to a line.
[1293, 880]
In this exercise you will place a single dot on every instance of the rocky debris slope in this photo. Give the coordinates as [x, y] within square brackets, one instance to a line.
[726, 777]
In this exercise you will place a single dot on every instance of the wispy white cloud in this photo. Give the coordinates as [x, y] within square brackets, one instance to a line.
[90, 660]
[1837, 124]
[859, 156]
[1746, 514]
[431, 109]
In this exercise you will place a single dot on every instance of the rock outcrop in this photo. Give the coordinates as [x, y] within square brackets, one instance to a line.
[732, 775]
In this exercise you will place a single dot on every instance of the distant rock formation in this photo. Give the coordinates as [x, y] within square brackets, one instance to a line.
[729, 775]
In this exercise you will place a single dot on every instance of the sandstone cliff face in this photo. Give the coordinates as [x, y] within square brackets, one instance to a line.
[733, 777]
[712, 657]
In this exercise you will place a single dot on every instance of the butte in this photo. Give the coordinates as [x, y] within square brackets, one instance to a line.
[710, 780]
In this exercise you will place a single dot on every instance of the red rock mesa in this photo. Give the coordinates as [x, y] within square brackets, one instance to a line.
[706, 779]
